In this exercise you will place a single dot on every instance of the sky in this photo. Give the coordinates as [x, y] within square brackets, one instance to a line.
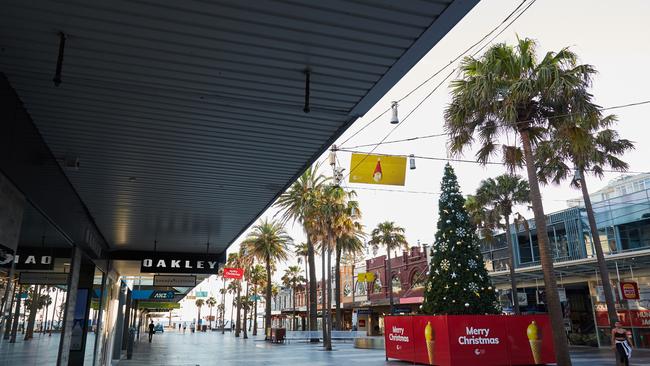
[610, 36]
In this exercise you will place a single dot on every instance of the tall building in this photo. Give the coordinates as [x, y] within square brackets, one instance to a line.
[622, 211]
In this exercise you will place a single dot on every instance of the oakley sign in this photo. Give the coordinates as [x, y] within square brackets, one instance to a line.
[179, 263]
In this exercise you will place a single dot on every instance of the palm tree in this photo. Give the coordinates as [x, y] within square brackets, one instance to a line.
[301, 251]
[499, 195]
[268, 242]
[589, 145]
[211, 302]
[351, 243]
[390, 236]
[199, 303]
[300, 203]
[257, 278]
[234, 287]
[508, 91]
[293, 280]
[235, 260]
[484, 219]
[246, 261]
[337, 215]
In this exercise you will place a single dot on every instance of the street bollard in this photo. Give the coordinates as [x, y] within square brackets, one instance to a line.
[129, 345]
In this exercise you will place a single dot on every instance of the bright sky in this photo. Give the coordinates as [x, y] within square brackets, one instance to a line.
[610, 36]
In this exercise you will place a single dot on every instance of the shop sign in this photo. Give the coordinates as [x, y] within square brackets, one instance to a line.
[28, 259]
[158, 305]
[233, 273]
[470, 340]
[365, 277]
[628, 318]
[364, 311]
[401, 310]
[43, 278]
[174, 281]
[201, 294]
[629, 291]
[152, 295]
[180, 263]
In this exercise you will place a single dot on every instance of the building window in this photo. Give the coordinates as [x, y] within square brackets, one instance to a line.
[397, 284]
[635, 235]
[376, 286]
[360, 288]
[418, 280]
[347, 289]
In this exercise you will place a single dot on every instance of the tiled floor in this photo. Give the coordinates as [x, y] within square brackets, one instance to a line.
[203, 349]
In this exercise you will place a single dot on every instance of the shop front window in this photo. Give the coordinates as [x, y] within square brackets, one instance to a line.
[635, 235]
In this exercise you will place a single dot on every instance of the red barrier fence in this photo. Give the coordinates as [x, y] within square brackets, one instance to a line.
[470, 339]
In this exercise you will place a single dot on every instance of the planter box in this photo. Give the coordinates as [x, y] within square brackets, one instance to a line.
[469, 339]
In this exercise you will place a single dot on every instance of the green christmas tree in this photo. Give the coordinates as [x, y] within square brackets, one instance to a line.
[458, 282]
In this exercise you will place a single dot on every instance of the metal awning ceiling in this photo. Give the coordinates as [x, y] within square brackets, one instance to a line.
[187, 117]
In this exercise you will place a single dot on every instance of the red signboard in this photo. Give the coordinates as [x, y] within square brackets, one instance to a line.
[628, 318]
[470, 340]
[629, 291]
[233, 273]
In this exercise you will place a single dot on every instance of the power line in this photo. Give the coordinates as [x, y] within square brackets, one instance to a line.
[444, 67]
[461, 160]
[620, 106]
[441, 82]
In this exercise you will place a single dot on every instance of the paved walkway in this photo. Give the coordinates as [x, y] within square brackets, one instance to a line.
[203, 349]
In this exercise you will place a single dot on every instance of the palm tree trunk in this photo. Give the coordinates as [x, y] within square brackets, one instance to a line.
[600, 257]
[36, 294]
[56, 298]
[293, 316]
[14, 325]
[323, 292]
[546, 256]
[210, 321]
[223, 311]
[246, 311]
[9, 321]
[337, 295]
[328, 346]
[238, 316]
[308, 313]
[513, 280]
[255, 311]
[313, 293]
[267, 320]
[389, 281]
[232, 307]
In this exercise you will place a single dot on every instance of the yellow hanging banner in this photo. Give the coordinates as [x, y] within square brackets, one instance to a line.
[378, 169]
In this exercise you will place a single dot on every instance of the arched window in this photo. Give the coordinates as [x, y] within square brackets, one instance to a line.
[418, 279]
[376, 286]
[397, 284]
[360, 289]
[347, 289]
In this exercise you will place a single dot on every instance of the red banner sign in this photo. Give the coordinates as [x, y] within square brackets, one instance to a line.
[629, 318]
[233, 273]
[470, 340]
[629, 291]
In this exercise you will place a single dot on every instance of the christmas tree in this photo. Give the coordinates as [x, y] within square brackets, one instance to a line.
[458, 282]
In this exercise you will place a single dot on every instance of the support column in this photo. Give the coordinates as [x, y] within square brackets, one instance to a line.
[119, 323]
[72, 346]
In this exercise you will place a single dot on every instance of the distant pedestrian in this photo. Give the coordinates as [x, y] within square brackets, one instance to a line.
[152, 330]
[184, 328]
[179, 326]
[621, 344]
[192, 327]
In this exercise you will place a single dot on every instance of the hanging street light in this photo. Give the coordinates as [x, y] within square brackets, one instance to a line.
[394, 119]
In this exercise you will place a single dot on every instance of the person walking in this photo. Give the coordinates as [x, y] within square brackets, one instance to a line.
[184, 327]
[192, 327]
[151, 331]
[621, 344]
[179, 327]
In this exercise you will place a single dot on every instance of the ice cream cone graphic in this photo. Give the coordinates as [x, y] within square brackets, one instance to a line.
[535, 342]
[431, 342]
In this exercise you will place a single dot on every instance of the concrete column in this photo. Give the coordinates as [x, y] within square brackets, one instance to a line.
[68, 315]
[75, 325]
[119, 323]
